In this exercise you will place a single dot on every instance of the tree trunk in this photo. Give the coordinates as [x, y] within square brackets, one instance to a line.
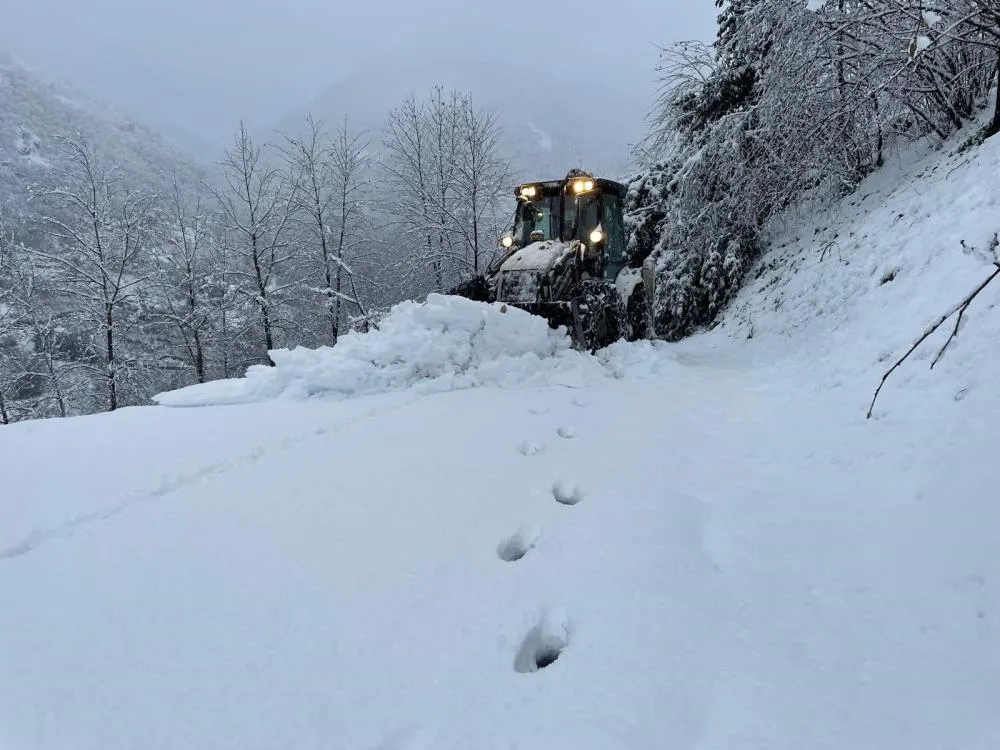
[199, 357]
[338, 302]
[265, 316]
[192, 300]
[110, 341]
[54, 380]
[341, 238]
[475, 232]
[4, 416]
[333, 305]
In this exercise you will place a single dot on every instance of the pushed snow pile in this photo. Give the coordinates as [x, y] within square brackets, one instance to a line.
[445, 343]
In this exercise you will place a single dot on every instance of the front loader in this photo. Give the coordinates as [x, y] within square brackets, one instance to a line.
[565, 260]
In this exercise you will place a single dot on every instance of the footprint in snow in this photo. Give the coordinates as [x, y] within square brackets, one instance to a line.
[580, 401]
[544, 643]
[538, 410]
[566, 493]
[566, 432]
[516, 546]
[530, 448]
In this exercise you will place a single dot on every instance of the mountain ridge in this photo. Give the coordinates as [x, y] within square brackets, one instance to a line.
[36, 111]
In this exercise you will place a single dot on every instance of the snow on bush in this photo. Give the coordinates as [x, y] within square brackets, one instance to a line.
[445, 343]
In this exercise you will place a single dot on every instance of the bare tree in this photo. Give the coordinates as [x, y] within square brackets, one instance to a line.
[443, 124]
[101, 230]
[45, 372]
[7, 314]
[257, 206]
[483, 175]
[182, 277]
[407, 163]
[237, 322]
[37, 363]
[329, 204]
[446, 177]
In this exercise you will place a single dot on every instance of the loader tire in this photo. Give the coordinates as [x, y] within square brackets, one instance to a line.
[598, 315]
[637, 315]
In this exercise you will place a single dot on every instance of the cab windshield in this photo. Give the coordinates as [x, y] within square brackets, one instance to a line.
[540, 215]
[556, 221]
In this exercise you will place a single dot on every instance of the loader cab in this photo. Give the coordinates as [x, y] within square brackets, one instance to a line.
[578, 207]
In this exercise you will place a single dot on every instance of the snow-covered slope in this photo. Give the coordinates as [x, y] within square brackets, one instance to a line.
[711, 541]
[35, 111]
[849, 288]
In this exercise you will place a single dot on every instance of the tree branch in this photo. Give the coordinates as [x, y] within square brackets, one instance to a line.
[960, 308]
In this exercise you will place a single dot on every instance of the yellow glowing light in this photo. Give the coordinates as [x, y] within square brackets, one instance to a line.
[507, 241]
[596, 236]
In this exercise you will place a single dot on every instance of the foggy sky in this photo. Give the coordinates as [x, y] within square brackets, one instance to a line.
[205, 64]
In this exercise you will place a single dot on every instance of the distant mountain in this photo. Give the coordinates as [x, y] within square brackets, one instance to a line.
[35, 111]
[555, 116]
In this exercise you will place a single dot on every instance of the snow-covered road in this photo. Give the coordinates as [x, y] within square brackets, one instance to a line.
[716, 560]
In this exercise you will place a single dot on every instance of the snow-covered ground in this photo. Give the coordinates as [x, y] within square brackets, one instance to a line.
[376, 547]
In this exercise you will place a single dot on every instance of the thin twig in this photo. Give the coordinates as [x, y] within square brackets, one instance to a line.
[960, 308]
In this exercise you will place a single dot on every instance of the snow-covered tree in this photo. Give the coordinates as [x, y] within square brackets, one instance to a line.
[331, 212]
[43, 362]
[793, 99]
[445, 179]
[257, 206]
[483, 179]
[182, 273]
[101, 231]
[8, 318]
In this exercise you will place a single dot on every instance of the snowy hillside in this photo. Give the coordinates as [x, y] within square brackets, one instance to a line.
[854, 286]
[35, 111]
[457, 533]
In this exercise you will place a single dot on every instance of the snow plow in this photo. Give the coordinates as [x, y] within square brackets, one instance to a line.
[565, 260]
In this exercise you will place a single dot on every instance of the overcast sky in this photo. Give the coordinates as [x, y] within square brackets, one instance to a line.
[204, 64]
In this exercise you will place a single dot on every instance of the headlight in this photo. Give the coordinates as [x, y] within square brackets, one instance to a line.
[597, 235]
[582, 186]
[507, 241]
[529, 191]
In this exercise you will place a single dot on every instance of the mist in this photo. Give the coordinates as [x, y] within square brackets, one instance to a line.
[194, 69]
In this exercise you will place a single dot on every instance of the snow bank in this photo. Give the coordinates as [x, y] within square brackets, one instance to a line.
[445, 343]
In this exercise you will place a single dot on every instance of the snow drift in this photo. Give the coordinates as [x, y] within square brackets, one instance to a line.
[446, 343]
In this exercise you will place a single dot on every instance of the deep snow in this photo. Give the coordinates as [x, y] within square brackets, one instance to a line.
[706, 543]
